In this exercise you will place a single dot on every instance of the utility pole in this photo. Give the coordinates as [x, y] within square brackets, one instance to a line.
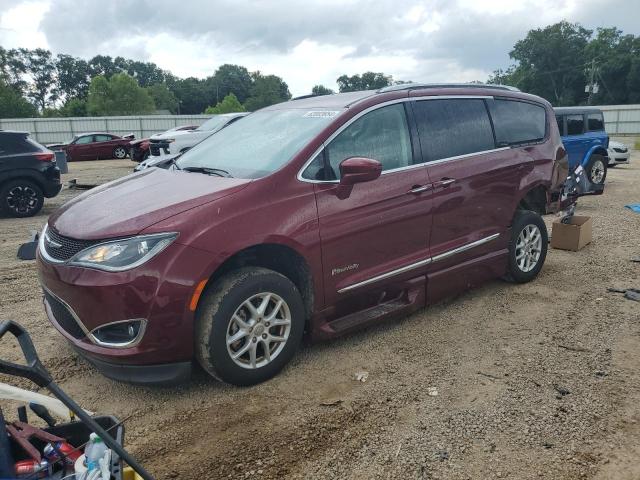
[591, 80]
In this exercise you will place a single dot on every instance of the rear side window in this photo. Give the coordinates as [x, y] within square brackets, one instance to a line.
[518, 122]
[382, 135]
[575, 124]
[14, 144]
[453, 127]
[560, 122]
[103, 138]
[595, 122]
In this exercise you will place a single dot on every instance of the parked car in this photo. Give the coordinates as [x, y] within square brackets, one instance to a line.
[172, 143]
[28, 174]
[584, 136]
[618, 153]
[139, 149]
[315, 216]
[95, 146]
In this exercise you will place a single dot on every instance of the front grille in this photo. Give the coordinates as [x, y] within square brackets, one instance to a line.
[63, 316]
[68, 246]
[620, 150]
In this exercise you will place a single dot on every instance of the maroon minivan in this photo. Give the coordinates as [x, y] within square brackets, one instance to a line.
[315, 216]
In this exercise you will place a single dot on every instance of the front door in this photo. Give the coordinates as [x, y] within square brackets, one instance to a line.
[379, 233]
[81, 149]
[575, 142]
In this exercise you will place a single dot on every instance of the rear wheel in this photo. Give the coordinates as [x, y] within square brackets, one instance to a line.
[596, 169]
[119, 153]
[527, 248]
[249, 325]
[21, 198]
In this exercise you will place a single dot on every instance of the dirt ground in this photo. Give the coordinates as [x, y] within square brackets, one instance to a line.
[533, 381]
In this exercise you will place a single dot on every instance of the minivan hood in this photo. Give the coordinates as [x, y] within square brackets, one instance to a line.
[131, 204]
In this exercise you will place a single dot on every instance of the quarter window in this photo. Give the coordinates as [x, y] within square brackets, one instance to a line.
[453, 127]
[382, 135]
[575, 124]
[518, 122]
[595, 122]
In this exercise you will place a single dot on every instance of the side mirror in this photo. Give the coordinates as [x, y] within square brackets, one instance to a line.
[359, 169]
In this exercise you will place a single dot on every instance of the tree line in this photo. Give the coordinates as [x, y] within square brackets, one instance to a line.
[560, 62]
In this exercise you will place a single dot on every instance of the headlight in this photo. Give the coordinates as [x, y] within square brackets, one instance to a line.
[170, 140]
[119, 255]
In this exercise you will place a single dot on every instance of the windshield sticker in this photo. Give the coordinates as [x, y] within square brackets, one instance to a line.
[321, 114]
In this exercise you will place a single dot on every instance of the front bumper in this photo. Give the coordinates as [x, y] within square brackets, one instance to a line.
[79, 300]
[165, 374]
[616, 158]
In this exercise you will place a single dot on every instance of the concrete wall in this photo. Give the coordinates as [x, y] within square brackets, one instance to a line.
[54, 130]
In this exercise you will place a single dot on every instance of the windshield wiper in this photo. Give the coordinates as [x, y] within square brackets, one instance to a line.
[209, 171]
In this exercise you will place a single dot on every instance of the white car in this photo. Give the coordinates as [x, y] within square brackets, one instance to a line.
[618, 153]
[173, 143]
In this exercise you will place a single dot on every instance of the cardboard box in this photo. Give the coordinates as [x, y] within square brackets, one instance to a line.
[573, 235]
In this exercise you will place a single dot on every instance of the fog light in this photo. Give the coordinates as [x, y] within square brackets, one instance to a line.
[126, 333]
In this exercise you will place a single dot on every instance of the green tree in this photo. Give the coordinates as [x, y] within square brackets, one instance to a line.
[14, 105]
[73, 77]
[13, 69]
[75, 107]
[366, 81]
[192, 95]
[321, 90]
[229, 104]
[229, 79]
[266, 90]
[119, 95]
[103, 65]
[163, 98]
[41, 68]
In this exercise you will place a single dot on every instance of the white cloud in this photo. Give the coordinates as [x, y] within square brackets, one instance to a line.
[20, 25]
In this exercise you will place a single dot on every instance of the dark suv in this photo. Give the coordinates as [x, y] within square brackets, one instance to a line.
[28, 173]
[315, 216]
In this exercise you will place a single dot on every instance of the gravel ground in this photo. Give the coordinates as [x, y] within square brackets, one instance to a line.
[507, 381]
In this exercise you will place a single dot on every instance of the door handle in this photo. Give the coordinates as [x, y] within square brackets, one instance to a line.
[420, 188]
[445, 182]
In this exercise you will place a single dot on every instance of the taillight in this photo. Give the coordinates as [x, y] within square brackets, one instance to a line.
[46, 157]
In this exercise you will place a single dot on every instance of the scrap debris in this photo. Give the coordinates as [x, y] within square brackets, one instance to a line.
[74, 185]
[629, 293]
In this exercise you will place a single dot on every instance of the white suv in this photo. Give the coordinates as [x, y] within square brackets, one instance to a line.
[172, 143]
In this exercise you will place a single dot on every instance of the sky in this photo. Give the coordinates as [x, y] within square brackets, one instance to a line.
[306, 42]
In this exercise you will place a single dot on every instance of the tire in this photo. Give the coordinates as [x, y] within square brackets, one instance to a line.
[20, 198]
[527, 251]
[596, 169]
[223, 313]
[119, 153]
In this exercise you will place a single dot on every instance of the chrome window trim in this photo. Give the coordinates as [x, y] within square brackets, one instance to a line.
[421, 263]
[375, 107]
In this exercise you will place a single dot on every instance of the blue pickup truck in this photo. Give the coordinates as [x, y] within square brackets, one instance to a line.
[585, 139]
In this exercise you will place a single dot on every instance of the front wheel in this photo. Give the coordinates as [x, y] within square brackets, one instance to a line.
[528, 247]
[596, 169]
[119, 153]
[249, 325]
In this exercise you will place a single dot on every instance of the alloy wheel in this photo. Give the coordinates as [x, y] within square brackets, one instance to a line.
[258, 330]
[22, 199]
[120, 152]
[528, 248]
[597, 171]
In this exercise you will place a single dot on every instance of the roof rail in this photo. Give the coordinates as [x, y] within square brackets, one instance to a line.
[414, 86]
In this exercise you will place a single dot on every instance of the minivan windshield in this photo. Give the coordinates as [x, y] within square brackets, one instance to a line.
[213, 123]
[259, 144]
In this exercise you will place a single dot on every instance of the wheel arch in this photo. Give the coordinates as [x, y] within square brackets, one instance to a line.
[595, 150]
[22, 175]
[277, 257]
[534, 198]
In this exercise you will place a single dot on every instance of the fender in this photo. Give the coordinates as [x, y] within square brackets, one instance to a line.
[27, 173]
[596, 149]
